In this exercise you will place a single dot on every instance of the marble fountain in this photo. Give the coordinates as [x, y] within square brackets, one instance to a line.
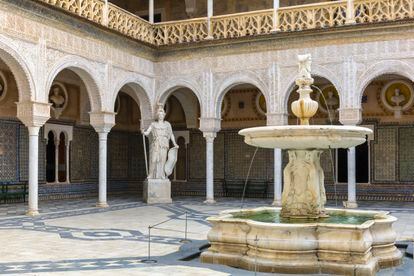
[303, 236]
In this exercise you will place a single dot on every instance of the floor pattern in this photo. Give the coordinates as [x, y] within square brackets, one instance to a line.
[78, 223]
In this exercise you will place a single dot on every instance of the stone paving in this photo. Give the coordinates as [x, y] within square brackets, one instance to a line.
[72, 237]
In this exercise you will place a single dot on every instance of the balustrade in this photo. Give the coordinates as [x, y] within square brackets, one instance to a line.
[289, 19]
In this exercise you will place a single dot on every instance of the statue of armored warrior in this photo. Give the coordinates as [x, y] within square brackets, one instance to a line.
[160, 134]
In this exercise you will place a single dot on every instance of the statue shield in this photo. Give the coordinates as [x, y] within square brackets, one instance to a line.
[171, 160]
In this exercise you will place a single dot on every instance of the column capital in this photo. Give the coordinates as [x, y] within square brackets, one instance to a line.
[33, 114]
[210, 136]
[102, 122]
[350, 116]
[210, 124]
[277, 119]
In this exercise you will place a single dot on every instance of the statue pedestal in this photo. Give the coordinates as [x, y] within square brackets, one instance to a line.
[157, 191]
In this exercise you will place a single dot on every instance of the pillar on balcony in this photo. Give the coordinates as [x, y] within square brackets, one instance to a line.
[33, 115]
[276, 5]
[209, 127]
[102, 123]
[351, 116]
[151, 11]
[105, 13]
[350, 12]
[277, 119]
[210, 8]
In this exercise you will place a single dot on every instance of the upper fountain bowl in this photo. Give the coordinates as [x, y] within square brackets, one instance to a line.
[303, 137]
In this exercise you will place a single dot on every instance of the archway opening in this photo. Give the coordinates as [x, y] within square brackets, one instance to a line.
[75, 141]
[126, 162]
[182, 109]
[388, 108]
[14, 159]
[242, 106]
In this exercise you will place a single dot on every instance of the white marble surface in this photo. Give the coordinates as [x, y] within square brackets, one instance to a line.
[305, 137]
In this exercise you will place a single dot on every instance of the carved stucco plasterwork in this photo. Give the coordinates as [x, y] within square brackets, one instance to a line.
[33, 48]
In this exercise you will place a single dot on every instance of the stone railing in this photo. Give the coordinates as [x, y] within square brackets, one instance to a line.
[242, 24]
[287, 19]
[371, 11]
[129, 24]
[313, 16]
[175, 32]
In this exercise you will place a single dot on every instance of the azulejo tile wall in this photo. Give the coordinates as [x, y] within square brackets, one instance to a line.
[9, 163]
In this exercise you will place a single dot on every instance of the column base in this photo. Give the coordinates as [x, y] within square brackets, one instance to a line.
[350, 204]
[157, 191]
[32, 213]
[209, 201]
[277, 203]
[102, 205]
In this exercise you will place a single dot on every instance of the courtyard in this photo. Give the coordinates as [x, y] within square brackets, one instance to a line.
[72, 237]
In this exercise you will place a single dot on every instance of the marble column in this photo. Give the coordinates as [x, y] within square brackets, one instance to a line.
[350, 12]
[210, 8]
[151, 11]
[351, 203]
[33, 170]
[57, 141]
[103, 140]
[67, 148]
[210, 136]
[277, 178]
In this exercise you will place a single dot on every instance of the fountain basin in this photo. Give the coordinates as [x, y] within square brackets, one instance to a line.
[303, 247]
[303, 137]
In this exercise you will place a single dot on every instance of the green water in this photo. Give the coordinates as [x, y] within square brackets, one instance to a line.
[274, 217]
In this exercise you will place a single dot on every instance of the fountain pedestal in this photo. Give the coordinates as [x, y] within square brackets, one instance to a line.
[304, 191]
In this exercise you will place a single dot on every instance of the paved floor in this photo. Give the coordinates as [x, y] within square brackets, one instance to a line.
[72, 237]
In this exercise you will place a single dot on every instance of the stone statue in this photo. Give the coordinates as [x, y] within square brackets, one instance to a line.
[56, 98]
[160, 133]
[305, 62]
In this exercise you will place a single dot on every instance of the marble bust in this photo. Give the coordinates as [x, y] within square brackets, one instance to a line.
[57, 100]
[160, 134]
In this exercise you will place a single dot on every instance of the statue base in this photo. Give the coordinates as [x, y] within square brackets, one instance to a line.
[157, 191]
